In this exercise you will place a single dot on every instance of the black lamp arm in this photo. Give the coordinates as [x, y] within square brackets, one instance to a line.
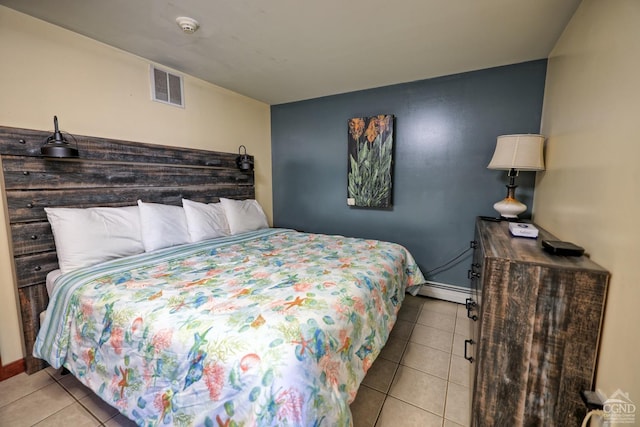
[57, 135]
[243, 161]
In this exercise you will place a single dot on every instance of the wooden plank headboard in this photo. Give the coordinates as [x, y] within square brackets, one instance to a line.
[108, 173]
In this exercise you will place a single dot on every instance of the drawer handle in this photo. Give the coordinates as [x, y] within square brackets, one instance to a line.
[472, 274]
[30, 205]
[470, 304]
[22, 141]
[25, 173]
[473, 244]
[34, 237]
[37, 268]
[469, 358]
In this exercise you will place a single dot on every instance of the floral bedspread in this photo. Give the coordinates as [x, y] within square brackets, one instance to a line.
[272, 327]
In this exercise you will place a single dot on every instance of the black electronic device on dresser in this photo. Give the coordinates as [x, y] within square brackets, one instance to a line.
[537, 328]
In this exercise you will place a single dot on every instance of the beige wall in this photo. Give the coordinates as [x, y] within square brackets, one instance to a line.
[590, 192]
[98, 90]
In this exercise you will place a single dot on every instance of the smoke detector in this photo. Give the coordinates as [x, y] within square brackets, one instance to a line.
[188, 25]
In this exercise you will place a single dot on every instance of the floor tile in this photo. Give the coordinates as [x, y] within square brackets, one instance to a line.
[461, 371]
[462, 311]
[98, 407]
[402, 329]
[393, 349]
[395, 410]
[74, 386]
[432, 337]
[465, 327]
[440, 306]
[458, 345]
[409, 313]
[35, 407]
[458, 405]
[380, 375]
[463, 314]
[416, 301]
[73, 415]
[21, 385]
[120, 421]
[449, 423]
[56, 374]
[419, 389]
[366, 408]
[427, 359]
[445, 322]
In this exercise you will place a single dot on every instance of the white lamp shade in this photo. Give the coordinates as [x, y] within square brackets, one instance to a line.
[522, 152]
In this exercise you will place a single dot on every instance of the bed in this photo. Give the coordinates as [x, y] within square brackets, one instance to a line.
[108, 173]
[262, 327]
[270, 327]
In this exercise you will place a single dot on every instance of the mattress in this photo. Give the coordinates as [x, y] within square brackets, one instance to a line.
[51, 280]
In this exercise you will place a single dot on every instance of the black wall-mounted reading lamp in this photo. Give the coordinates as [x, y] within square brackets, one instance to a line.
[243, 161]
[57, 146]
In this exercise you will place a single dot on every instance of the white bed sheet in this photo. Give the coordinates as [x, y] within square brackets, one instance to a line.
[51, 280]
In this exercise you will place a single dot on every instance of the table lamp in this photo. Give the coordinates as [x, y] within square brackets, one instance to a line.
[514, 153]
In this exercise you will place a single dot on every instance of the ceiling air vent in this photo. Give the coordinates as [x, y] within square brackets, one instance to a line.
[166, 87]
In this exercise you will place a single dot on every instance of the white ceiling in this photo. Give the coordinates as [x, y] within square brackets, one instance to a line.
[280, 51]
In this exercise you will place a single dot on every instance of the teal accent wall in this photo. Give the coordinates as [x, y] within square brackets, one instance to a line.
[445, 133]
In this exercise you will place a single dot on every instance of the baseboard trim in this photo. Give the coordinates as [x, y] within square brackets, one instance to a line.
[445, 292]
[12, 369]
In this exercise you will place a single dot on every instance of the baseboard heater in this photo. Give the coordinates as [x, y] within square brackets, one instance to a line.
[445, 292]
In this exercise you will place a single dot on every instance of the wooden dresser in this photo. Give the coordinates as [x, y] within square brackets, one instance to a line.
[538, 327]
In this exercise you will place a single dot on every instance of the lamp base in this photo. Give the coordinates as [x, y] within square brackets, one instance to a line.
[509, 208]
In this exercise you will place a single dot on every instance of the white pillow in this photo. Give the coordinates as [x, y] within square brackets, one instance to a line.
[244, 215]
[205, 221]
[86, 237]
[162, 225]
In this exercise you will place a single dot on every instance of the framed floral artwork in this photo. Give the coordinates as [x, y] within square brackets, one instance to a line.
[370, 161]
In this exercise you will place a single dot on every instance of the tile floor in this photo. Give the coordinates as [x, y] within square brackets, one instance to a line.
[419, 379]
